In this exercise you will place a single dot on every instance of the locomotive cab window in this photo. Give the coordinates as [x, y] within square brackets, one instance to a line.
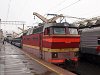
[59, 30]
[73, 31]
[99, 41]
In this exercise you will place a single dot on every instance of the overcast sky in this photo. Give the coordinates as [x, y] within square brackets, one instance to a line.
[22, 10]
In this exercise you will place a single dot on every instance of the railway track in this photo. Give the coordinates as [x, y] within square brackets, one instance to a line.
[83, 67]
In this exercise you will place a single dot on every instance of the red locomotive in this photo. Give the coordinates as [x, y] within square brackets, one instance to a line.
[51, 41]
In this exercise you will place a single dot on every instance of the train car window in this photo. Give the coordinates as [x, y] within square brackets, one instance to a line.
[40, 29]
[73, 31]
[34, 31]
[59, 30]
[99, 41]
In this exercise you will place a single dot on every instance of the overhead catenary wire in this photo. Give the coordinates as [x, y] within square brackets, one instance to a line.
[56, 5]
[68, 6]
[13, 22]
[75, 17]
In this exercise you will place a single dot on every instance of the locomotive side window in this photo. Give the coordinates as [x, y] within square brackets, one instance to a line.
[73, 31]
[59, 30]
[38, 30]
[99, 41]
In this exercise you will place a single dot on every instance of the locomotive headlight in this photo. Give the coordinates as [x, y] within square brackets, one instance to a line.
[54, 55]
[76, 53]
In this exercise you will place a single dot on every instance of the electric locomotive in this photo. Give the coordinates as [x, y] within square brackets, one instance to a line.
[51, 41]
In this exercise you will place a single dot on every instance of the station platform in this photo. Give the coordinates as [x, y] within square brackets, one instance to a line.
[14, 61]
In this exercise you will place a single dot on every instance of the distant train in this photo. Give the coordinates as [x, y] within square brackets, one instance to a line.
[90, 42]
[9, 38]
[17, 42]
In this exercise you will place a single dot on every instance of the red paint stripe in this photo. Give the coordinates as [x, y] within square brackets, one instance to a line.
[67, 40]
[58, 45]
[57, 60]
[74, 59]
